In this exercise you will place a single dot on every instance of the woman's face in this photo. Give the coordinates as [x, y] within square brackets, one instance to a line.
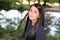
[33, 13]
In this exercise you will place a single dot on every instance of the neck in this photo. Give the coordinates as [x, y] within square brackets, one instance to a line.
[33, 22]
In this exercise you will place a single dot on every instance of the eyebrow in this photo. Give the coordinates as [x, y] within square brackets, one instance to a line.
[34, 10]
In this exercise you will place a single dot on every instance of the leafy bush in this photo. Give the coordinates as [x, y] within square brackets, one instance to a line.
[23, 7]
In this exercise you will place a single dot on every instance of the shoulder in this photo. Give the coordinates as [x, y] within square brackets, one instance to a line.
[41, 29]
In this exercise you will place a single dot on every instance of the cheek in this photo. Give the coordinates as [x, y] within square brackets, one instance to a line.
[36, 16]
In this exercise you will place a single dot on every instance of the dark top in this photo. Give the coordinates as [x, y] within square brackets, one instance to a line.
[40, 34]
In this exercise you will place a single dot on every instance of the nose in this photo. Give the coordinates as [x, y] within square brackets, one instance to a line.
[32, 13]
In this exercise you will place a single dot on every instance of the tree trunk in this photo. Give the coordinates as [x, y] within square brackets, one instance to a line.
[34, 1]
[44, 3]
[38, 1]
[29, 2]
[59, 3]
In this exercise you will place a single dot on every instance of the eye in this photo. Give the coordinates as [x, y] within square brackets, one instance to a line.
[35, 12]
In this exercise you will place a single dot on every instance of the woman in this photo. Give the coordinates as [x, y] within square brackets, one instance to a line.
[34, 29]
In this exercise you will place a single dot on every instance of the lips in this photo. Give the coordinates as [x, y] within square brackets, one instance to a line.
[31, 16]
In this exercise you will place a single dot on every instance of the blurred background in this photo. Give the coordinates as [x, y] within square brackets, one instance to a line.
[13, 15]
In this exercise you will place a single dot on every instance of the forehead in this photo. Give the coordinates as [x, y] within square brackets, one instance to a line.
[34, 8]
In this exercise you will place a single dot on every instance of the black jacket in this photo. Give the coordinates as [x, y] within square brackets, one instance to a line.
[40, 34]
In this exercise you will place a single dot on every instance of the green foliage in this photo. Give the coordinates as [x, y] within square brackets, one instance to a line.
[48, 21]
[1, 32]
[46, 0]
[32, 0]
[59, 1]
[23, 7]
[9, 29]
[20, 32]
[57, 24]
[53, 1]
[56, 37]
[9, 32]
[7, 4]
[51, 37]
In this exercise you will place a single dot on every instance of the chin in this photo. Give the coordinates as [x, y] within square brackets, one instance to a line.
[31, 18]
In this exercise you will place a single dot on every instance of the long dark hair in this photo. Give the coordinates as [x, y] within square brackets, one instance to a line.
[40, 22]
